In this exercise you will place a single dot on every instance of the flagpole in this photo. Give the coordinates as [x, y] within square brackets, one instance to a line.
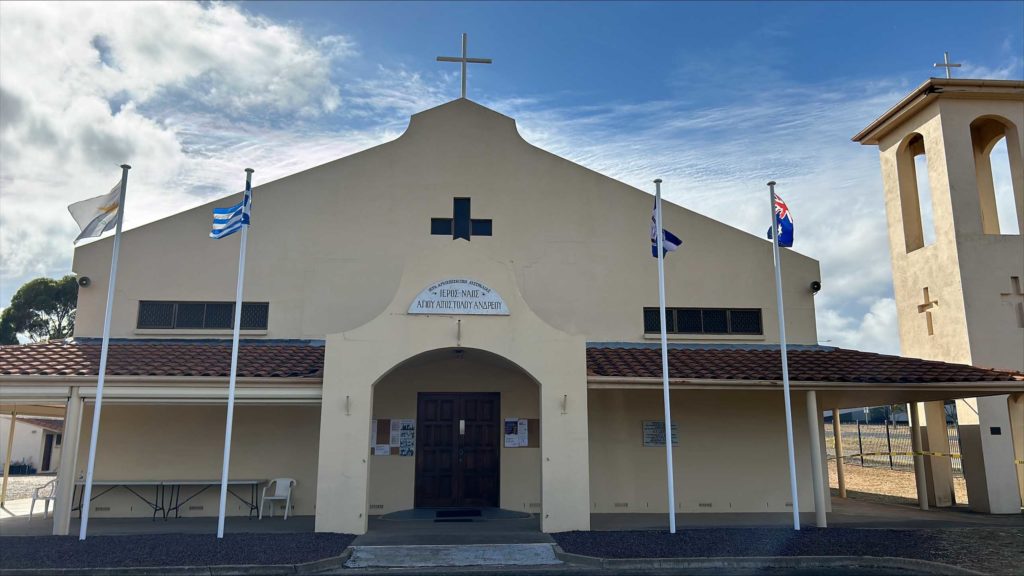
[87, 489]
[664, 363]
[785, 365]
[234, 364]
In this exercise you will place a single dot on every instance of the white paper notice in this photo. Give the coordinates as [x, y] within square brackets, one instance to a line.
[396, 432]
[524, 436]
[512, 432]
[407, 438]
[373, 433]
[382, 450]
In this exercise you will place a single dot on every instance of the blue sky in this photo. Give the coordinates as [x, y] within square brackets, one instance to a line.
[716, 98]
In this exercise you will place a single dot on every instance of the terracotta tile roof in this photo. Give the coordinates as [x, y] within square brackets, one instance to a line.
[198, 358]
[762, 362]
[55, 424]
[305, 359]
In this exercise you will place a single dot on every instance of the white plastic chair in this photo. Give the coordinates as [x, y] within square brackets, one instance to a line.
[282, 491]
[47, 493]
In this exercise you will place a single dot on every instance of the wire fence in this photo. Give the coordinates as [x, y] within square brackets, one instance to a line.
[887, 445]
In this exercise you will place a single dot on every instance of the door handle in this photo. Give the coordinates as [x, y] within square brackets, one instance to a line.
[462, 427]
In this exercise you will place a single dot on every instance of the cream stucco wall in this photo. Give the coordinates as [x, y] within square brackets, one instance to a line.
[185, 442]
[967, 270]
[392, 477]
[359, 360]
[339, 251]
[328, 245]
[731, 455]
[29, 443]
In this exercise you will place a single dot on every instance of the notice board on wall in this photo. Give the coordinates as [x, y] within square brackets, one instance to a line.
[654, 433]
[393, 437]
[521, 432]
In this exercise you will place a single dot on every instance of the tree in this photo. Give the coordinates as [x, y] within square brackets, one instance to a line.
[42, 309]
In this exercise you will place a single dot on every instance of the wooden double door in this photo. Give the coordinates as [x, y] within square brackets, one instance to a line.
[458, 445]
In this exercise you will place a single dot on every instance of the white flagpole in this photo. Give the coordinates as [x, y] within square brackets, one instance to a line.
[664, 362]
[785, 364]
[234, 366]
[87, 489]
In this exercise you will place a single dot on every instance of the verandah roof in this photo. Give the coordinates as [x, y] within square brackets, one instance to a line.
[305, 359]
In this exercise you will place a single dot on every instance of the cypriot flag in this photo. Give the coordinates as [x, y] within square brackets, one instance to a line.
[97, 215]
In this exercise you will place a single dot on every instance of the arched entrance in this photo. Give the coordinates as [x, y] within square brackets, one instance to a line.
[455, 428]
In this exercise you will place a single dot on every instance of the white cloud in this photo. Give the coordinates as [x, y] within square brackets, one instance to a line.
[192, 93]
[874, 331]
[112, 87]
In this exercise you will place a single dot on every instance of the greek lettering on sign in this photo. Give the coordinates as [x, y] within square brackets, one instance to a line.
[459, 296]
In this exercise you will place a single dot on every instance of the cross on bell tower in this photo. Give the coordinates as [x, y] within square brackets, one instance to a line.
[926, 309]
[466, 60]
[1015, 298]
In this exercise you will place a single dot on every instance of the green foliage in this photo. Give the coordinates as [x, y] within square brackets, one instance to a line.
[42, 309]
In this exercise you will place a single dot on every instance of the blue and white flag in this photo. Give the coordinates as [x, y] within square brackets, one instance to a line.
[670, 241]
[783, 223]
[227, 221]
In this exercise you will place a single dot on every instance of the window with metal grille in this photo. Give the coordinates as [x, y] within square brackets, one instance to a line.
[201, 315]
[704, 321]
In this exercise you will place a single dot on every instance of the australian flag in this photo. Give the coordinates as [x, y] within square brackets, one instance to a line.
[783, 223]
[670, 242]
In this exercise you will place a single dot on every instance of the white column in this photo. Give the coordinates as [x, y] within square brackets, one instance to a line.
[915, 441]
[1015, 404]
[68, 464]
[7, 456]
[817, 478]
[837, 435]
[988, 455]
[935, 438]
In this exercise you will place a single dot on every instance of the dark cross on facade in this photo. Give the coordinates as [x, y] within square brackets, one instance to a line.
[460, 225]
[945, 64]
[466, 60]
[926, 309]
[1015, 298]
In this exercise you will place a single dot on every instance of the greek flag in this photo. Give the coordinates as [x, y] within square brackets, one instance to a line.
[227, 221]
[669, 244]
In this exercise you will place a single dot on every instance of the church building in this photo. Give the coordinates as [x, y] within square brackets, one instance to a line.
[455, 319]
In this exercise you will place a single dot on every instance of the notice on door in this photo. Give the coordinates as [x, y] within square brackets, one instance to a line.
[654, 433]
[517, 433]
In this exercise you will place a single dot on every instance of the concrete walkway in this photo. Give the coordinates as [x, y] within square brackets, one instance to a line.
[20, 507]
[384, 532]
[448, 556]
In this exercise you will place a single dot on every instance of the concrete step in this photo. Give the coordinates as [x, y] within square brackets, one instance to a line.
[441, 556]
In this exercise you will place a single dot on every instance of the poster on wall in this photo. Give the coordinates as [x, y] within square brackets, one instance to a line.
[654, 433]
[396, 432]
[407, 437]
[517, 433]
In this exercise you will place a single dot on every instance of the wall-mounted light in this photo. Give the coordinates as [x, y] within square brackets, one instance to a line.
[565, 403]
[84, 281]
[348, 405]
[815, 287]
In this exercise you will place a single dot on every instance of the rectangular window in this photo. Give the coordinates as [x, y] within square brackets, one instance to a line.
[705, 321]
[201, 315]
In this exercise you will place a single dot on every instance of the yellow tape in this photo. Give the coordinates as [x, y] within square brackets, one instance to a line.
[905, 454]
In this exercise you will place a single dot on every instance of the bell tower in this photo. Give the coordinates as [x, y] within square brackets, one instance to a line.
[955, 238]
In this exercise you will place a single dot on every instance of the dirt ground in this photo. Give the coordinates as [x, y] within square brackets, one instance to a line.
[884, 485]
[22, 486]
